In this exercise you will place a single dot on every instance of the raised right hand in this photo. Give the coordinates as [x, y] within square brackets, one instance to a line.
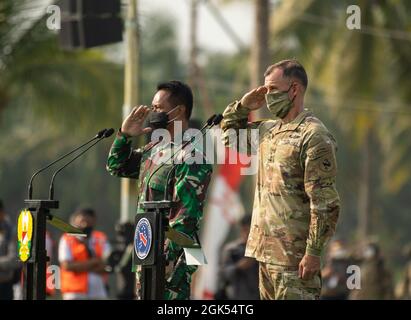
[133, 125]
[254, 99]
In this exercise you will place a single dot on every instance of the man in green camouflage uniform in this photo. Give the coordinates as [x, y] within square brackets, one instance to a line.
[296, 203]
[189, 184]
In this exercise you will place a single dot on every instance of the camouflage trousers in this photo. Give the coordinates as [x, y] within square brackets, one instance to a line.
[283, 283]
[178, 282]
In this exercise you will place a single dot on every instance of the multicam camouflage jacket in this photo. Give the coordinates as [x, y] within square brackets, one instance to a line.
[296, 204]
[190, 185]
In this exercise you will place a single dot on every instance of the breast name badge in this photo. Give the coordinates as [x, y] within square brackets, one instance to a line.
[24, 235]
[143, 238]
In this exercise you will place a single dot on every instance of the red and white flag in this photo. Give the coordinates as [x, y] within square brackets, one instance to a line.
[224, 209]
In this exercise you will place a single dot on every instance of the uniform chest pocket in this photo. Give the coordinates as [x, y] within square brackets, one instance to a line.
[287, 153]
[159, 179]
[284, 171]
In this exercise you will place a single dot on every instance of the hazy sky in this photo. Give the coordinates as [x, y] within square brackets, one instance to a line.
[210, 35]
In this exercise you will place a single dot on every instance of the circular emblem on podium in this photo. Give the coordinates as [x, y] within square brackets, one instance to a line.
[143, 238]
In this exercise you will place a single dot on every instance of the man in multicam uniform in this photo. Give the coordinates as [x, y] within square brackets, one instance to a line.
[189, 184]
[296, 203]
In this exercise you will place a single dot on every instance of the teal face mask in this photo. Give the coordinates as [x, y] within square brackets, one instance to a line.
[279, 103]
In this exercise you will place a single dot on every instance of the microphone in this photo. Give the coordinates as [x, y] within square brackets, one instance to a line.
[106, 134]
[214, 119]
[217, 119]
[102, 132]
[30, 187]
[210, 120]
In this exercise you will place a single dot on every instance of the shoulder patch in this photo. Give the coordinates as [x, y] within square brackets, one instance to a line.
[326, 165]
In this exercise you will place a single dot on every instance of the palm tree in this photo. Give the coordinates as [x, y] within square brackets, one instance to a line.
[54, 83]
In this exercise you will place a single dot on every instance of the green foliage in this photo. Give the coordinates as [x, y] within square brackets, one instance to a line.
[52, 100]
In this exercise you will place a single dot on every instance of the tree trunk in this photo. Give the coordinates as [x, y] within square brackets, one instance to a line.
[259, 50]
[131, 85]
[193, 44]
[364, 195]
[195, 75]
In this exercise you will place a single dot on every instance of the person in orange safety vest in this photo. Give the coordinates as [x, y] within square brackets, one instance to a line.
[82, 259]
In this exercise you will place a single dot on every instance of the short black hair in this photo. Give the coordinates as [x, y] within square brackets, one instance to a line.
[291, 69]
[180, 94]
[1, 205]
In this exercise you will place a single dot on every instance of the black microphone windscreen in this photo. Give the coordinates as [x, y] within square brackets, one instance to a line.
[101, 133]
[210, 120]
[108, 133]
[218, 119]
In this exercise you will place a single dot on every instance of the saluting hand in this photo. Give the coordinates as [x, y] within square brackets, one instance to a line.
[254, 99]
[133, 125]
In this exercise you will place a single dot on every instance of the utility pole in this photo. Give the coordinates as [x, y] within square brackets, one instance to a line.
[259, 49]
[131, 83]
[364, 194]
[192, 64]
[193, 44]
[195, 76]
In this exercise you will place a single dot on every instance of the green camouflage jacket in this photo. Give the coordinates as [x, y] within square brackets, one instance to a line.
[189, 191]
[296, 204]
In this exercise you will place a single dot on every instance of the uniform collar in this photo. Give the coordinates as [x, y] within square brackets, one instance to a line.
[294, 124]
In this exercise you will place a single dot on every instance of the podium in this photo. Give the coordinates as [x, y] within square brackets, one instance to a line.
[152, 229]
[32, 244]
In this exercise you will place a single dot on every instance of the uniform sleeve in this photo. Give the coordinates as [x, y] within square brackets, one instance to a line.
[190, 191]
[320, 185]
[122, 160]
[235, 119]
